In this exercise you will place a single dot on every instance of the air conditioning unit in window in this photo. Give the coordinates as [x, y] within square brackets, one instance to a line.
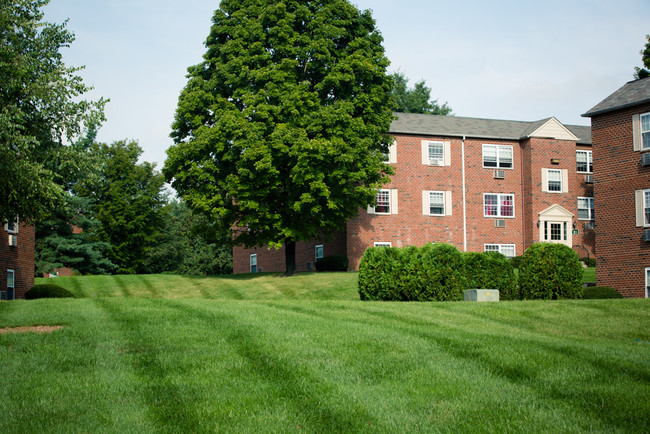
[589, 179]
[436, 162]
[590, 225]
[499, 174]
[645, 159]
[13, 240]
[499, 223]
[646, 235]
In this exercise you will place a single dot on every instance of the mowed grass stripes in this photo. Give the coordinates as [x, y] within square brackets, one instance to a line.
[181, 358]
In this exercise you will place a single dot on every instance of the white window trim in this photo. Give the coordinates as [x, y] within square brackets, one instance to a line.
[564, 179]
[647, 283]
[392, 203]
[500, 247]
[250, 267]
[383, 244]
[14, 231]
[426, 203]
[497, 149]
[446, 153]
[13, 279]
[499, 216]
[322, 251]
[637, 132]
[391, 157]
[639, 205]
[591, 210]
[590, 161]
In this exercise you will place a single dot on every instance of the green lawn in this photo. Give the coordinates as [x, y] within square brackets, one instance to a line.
[270, 354]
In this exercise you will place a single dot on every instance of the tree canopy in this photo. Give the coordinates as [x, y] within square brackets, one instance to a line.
[645, 58]
[416, 99]
[40, 109]
[280, 132]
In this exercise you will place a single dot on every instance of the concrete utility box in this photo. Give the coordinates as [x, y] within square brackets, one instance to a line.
[481, 295]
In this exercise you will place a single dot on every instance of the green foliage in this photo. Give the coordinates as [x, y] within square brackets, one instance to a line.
[491, 270]
[47, 290]
[40, 109]
[549, 272]
[432, 272]
[280, 132]
[188, 245]
[645, 58]
[332, 263]
[415, 100]
[600, 292]
[516, 261]
[589, 262]
[128, 201]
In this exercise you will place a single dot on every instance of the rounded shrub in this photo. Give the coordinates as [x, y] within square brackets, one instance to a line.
[516, 261]
[549, 272]
[600, 292]
[491, 270]
[380, 269]
[332, 263]
[435, 272]
[47, 290]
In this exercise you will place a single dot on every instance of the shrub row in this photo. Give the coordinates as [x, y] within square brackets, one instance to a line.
[439, 272]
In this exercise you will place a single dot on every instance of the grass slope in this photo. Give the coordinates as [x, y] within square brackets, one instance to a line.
[266, 354]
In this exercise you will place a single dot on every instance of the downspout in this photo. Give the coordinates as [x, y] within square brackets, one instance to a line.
[464, 199]
[523, 200]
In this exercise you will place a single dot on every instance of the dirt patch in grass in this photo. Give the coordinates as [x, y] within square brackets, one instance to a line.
[32, 329]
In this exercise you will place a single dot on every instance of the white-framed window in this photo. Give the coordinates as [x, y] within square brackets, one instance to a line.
[11, 227]
[642, 207]
[585, 208]
[645, 131]
[555, 180]
[318, 252]
[383, 244]
[497, 156]
[507, 250]
[385, 202]
[253, 262]
[391, 156]
[647, 282]
[498, 205]
[436, 153]
[436, 203]
[584, 162]
[11, 283]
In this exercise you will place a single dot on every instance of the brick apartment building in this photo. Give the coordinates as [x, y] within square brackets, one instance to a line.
[479, 184]
[620, 127]
[16, 260]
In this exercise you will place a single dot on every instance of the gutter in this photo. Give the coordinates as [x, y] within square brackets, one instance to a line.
[464, 199]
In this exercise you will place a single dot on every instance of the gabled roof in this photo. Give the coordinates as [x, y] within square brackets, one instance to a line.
[632, 93]
[456, 126]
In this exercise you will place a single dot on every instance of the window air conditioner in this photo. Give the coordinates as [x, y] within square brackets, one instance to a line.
[645, 159]
[13, 240]
[589, 179]
[499, 174]
[646, 235]
[499, 223]
[590, 225]
[436, 162]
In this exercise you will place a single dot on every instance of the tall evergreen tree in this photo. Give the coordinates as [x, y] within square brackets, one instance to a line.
[416, 99]
[280, 132]
[645, 58]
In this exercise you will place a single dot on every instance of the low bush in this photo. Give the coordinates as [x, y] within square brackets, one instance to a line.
[549, 272]
[589, 262]
[491, 270]
[600, 292]
[516, 261]
[381, 273]
[332, 263]
[47, 290]
[435, 272]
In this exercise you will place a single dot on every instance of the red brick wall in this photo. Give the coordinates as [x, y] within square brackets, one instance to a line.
[19, 258]
[272, 260]
[622, 254]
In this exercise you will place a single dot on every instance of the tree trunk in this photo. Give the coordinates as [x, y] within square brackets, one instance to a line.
[290, 258]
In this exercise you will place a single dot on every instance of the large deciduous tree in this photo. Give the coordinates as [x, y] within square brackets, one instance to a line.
[416, 99]
[280, 132]
[645, 58]
[40, 109]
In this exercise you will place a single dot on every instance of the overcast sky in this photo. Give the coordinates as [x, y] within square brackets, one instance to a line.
[515, 60]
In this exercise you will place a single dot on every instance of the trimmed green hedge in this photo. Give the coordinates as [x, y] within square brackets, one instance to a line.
[332, 263]
[47, 290]
[600, 292]
[491, 270]
[549, 272]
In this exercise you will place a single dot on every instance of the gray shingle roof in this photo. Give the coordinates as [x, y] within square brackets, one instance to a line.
[632, 93]
[456, 126]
